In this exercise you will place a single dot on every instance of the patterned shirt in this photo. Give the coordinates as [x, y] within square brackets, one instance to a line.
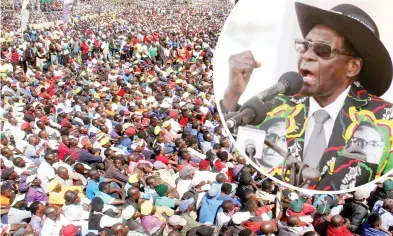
[36, 223]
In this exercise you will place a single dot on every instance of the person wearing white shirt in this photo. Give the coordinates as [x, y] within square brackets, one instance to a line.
[75, 210]
[332, 109]
[224, 213]
[51, 226]
[46, 172]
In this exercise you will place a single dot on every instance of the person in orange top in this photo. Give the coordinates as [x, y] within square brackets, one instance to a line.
[6, 194]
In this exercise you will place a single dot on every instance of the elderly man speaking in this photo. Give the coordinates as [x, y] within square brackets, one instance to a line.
[345, 67]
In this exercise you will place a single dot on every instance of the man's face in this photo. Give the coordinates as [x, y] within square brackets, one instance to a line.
[106, 189]
[118, 164]
[323, 76]
[21, 163]
[8, 154]
[66, 141]
[64, 175]
[367, 143]
[275, 133]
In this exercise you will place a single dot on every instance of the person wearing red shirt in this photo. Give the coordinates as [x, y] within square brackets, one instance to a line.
[85, 51]
[64, 148]
[298, 208]
[183, 121]
[164, 159]
[337, 227]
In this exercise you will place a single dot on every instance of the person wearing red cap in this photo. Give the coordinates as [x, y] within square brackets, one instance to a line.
[70, 230]
[26, 127]
[203, 173]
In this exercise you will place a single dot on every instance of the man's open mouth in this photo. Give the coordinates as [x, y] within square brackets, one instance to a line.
[308, 76]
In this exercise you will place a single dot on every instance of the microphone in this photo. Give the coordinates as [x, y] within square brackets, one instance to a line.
[289, 83]
[254, 110]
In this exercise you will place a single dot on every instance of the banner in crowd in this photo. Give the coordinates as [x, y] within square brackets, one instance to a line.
[24, 5]
[24, 19]
[67, 12]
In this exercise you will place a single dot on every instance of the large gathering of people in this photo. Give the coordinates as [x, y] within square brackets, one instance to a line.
[111, 128]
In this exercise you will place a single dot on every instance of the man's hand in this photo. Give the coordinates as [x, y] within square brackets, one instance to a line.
[241, 67]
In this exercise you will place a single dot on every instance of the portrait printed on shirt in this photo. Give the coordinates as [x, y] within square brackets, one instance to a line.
[358, 150]
[365, 152]
[251, 140]
[275, 132]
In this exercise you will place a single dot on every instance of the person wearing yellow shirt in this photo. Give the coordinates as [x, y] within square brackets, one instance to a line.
[57, 191]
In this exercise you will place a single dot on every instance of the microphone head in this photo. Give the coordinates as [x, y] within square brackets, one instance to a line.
[292, 81]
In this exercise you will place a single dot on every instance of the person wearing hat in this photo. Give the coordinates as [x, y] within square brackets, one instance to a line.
[57, 191]
[381, 193]
[210, 205]
[355, 209]
[336, 64]
[167, 132]
[35, 191]
[186, 208]
[176, 223]
[9, 175]
[149, 221]
[70, 230]
[130, 219]
[298, 208]
[162, 191]
[234, 226]
[186, 182]
[322, 218]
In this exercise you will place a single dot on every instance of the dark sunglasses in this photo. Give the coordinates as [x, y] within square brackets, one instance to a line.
[322, 50]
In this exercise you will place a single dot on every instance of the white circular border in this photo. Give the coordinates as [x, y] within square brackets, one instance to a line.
[369, 185]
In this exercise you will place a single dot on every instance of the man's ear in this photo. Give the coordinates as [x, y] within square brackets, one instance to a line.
[354, 67]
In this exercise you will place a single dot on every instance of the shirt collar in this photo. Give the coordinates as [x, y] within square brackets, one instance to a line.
[333, 108]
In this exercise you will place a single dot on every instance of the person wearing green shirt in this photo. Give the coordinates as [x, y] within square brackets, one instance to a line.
[153, 52]
[163, 199]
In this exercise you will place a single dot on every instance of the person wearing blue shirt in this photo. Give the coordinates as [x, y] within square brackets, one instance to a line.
[94, 181]
[373, 227]
[103, 192]
[209, 206]
[226, 190]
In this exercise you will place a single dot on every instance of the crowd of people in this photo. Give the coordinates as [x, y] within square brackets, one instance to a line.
[111, 128]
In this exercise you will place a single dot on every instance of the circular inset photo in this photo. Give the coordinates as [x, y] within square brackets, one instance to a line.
[305, 89]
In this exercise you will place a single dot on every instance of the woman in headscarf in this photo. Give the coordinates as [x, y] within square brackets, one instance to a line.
[210, 206]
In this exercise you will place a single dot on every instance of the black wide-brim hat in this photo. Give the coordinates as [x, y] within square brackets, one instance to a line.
[360, 30]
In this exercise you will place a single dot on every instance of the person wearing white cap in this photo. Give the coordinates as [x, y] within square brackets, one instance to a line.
[234, 226]
[35, 192]
[176, 223]
[130, 216]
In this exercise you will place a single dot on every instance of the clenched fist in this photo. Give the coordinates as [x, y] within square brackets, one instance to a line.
[241, 67]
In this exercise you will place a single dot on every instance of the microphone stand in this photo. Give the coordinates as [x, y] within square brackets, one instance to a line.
[300, 173]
